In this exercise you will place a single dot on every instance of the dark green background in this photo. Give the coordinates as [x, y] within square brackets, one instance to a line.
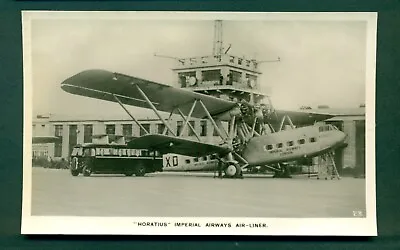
[387, 129]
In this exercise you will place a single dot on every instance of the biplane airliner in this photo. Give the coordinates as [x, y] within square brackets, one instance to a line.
[246, 142]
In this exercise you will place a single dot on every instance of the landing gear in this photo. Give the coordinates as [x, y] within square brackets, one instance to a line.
[284, 173]
[233, 170]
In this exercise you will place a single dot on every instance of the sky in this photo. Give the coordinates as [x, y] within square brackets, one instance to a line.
[322, 62]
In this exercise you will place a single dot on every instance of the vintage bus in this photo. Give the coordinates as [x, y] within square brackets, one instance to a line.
[113, 159]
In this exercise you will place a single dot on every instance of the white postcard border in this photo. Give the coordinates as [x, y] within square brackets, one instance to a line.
[131, 225]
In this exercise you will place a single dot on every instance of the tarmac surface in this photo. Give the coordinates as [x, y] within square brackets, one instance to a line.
[57, 193]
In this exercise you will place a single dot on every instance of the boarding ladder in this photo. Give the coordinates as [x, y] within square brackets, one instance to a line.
[327, 167]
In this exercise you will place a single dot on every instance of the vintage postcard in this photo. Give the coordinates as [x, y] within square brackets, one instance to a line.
[199, 123]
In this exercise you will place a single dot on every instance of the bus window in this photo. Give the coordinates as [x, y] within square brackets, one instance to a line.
[124, 152]
[75, 151]
[98, 151]
[115, 151]
[106, 151]
[86, 152]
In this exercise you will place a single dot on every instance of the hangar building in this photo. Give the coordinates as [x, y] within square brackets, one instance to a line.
[75, 130]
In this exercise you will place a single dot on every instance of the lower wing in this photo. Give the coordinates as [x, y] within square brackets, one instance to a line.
[167, 144]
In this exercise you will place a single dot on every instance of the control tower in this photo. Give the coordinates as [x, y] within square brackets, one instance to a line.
[221, 74]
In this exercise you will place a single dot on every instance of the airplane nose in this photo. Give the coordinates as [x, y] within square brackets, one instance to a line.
[343, 136]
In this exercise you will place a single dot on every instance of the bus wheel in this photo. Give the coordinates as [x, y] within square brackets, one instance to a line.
[87, 171]
[74, 172]
[140, 170]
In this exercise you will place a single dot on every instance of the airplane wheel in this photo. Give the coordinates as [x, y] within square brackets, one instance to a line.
[87, 171]
[230, 170]
[233, 171]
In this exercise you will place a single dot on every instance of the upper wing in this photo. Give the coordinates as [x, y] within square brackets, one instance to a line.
[166, 144]
[301, 117]
[103, 85]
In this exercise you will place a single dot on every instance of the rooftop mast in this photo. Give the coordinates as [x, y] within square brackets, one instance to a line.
[218, 43]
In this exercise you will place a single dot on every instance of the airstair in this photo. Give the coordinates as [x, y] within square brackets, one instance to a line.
[326, 167]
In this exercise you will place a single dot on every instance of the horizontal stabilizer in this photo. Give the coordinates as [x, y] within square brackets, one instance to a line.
[167, 144]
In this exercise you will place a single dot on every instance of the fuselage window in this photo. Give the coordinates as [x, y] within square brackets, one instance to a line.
[279, 145]
[269, 147]
[290, 143]
[187, 161]
[313, 139]
[204, 158]
[302, 141]
[196, 159]
[213, 157]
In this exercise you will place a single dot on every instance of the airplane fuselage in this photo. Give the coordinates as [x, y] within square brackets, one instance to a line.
[283, 146]
[293, 144]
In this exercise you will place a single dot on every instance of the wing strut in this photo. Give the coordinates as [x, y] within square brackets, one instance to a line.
[232, 129]
[168, 121]
[212, 120]
[133, 118]
[154, 109]
[283, 121]
[190, 126]
[188, 117]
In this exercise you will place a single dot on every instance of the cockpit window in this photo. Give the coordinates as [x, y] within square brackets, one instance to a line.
[325, 128]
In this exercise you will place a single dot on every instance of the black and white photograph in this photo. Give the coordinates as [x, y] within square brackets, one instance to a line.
[199, 123]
